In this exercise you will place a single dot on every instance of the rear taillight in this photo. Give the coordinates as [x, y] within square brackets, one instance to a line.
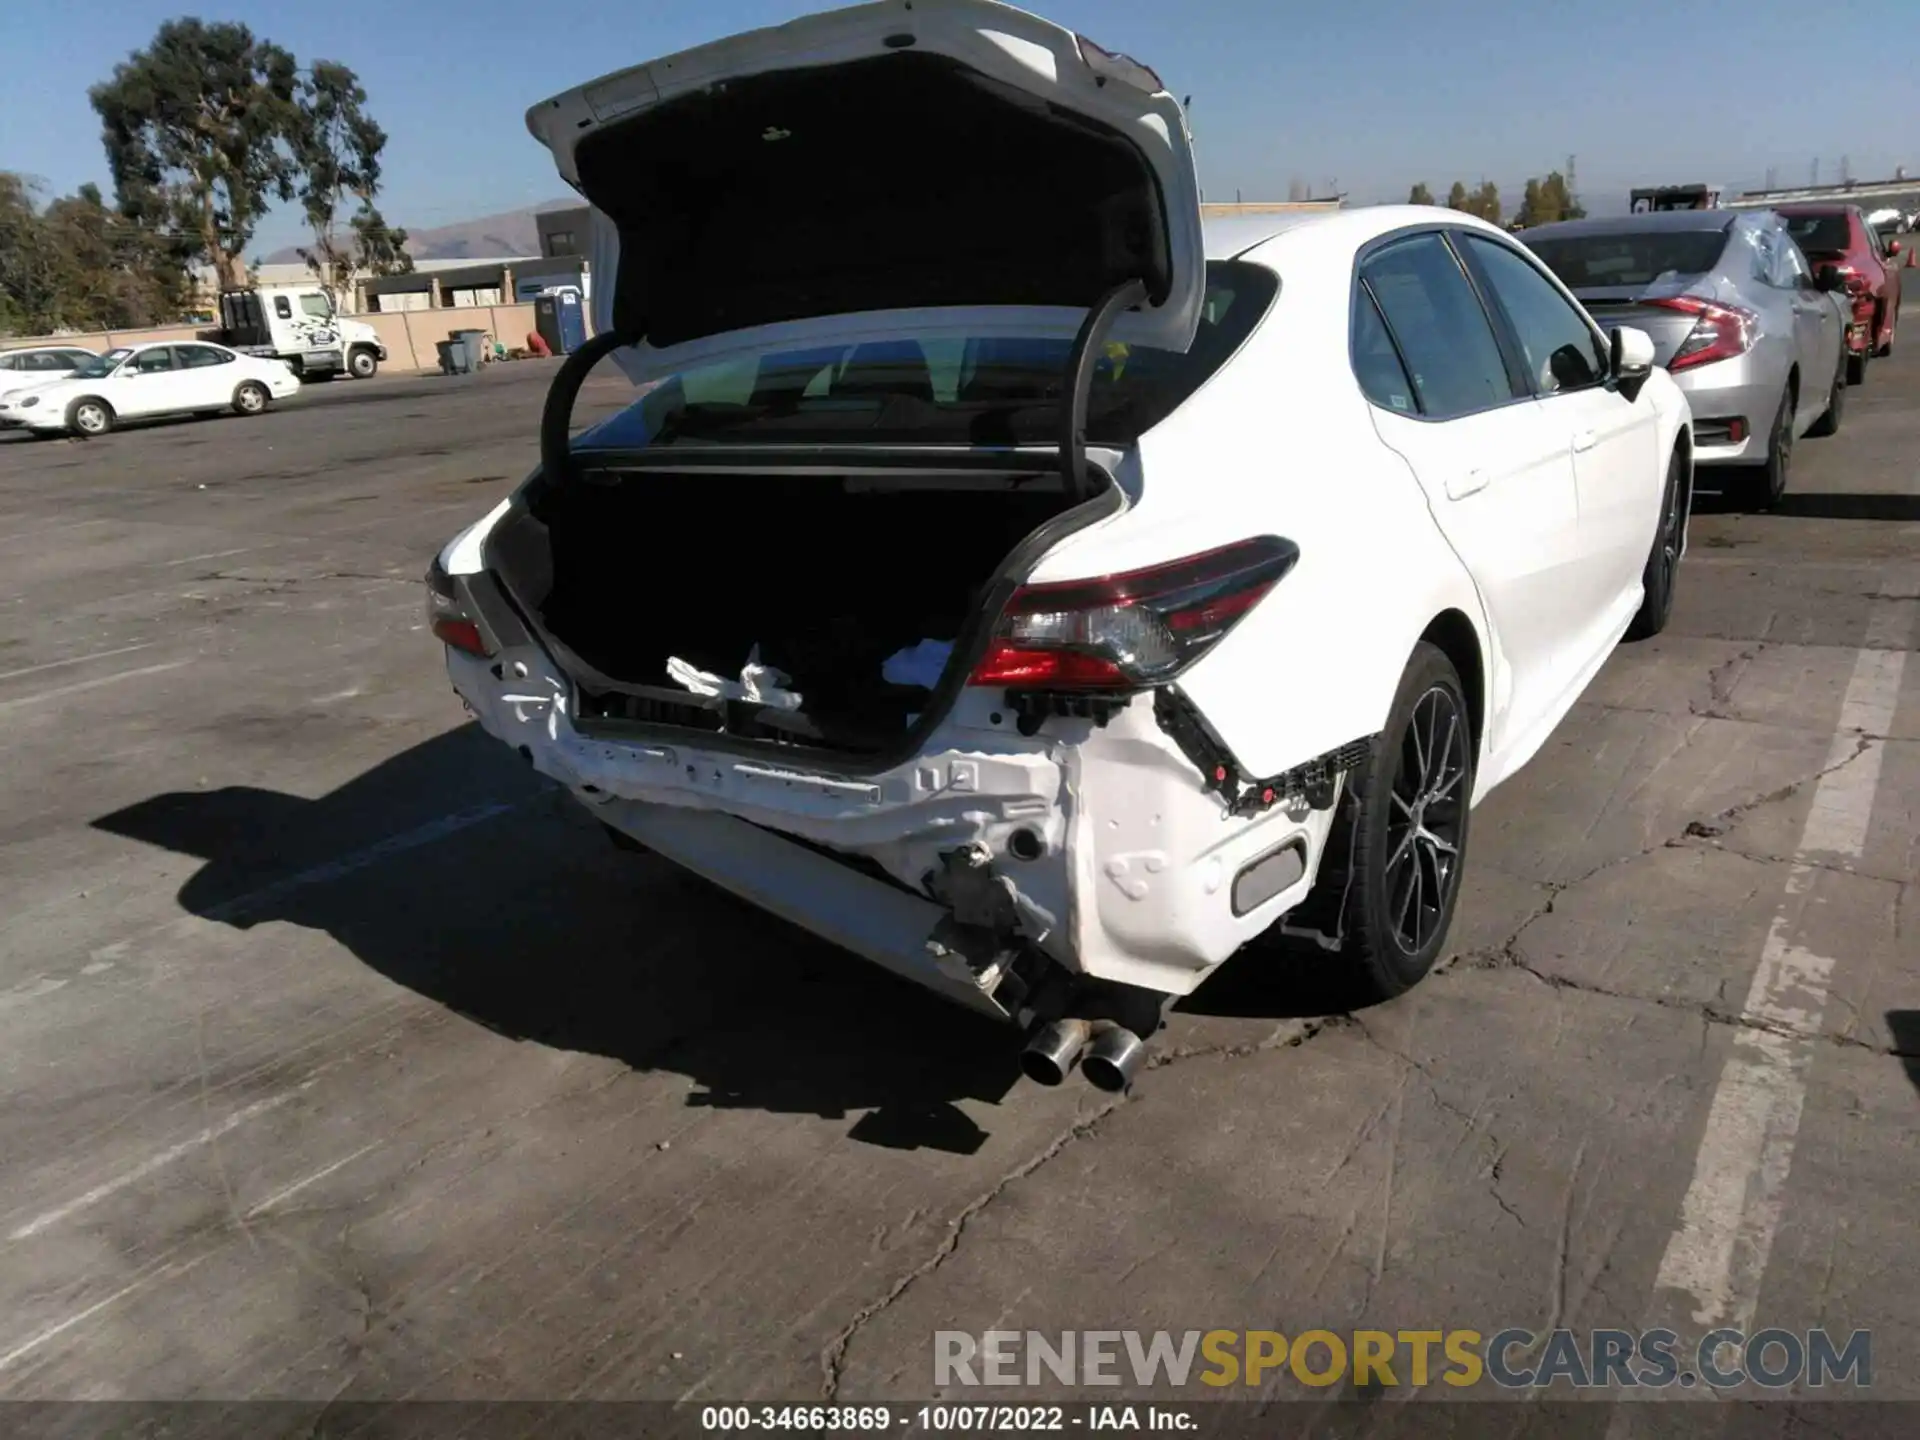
[448, 619]
[1719, 332]
[1126, 632]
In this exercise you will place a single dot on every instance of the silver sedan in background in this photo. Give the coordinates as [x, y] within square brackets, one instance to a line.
[1755, 339]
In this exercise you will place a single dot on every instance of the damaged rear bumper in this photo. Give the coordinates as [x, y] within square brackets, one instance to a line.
[1096, 845]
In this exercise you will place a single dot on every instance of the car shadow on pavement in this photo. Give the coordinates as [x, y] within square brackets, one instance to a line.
[1276, 977]
[1904, 1026]
[1791, 506]
[456, 872]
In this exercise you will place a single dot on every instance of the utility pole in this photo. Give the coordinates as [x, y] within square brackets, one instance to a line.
[1770, 177]
[1816, 171]
[1846, 171]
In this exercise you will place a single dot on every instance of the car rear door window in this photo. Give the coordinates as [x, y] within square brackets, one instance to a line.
[1376, 364]
[1562, 351]
[159, 358]
[1439, 327]
[196, 357]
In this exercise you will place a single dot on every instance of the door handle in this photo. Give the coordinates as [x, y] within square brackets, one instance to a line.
[1471, 483]
[1584, 440]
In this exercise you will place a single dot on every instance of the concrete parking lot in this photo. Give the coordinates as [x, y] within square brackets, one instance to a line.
[342, 1058]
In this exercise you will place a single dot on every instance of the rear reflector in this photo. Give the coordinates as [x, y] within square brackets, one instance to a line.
[1129, 631]
[461, 635]
[1262, 879]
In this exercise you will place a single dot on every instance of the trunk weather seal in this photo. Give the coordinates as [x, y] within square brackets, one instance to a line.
[556, 415]
[1080, 365]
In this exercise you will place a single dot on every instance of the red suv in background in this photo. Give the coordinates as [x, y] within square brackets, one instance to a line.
[1839, 235]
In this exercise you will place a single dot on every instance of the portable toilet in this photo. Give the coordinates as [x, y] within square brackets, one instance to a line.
[560, 318]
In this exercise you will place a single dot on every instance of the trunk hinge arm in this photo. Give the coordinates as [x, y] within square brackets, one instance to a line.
[556, 416]
[1080, 365]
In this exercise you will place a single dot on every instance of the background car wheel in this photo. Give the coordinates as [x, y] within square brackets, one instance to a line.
[1663, 564]
[1764, 484]
[88, 416]
[250, 397]
[362, 364]
[1857, 367]
[1886, 346]
[1829, 421]
[1409, 835]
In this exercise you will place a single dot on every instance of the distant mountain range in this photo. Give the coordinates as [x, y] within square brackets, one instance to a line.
[512, 232]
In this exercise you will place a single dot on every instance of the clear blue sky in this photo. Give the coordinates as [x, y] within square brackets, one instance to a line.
[1375, 94]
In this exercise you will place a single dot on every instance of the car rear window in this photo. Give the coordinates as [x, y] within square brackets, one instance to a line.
[970, 390]
[1592, 262]
[1826, 234]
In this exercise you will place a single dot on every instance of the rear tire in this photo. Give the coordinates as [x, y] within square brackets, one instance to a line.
[90, 416]
[250, 397]
[1857, 365]
[1886, 346]
[1409, 837]
[1663, 562]
[1762, 485]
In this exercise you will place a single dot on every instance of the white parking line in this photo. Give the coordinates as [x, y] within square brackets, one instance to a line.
[1718, 1254]
[73, 660]
[160, 1271]
[358, 860]
[152, 1163]
[80, 685]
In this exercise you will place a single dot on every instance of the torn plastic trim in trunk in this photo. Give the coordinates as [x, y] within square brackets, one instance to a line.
[1313, 783]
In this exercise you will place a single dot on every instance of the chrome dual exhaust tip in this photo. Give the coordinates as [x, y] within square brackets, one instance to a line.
[1110, 1056]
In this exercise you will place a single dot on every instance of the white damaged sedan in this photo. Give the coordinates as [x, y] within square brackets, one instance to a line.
[1019, 583]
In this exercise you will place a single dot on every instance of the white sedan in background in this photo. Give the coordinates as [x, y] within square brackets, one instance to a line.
[143, 382]
[40, 363]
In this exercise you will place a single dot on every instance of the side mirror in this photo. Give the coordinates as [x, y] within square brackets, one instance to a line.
[1631, 352]
[1630, 358]
[1894, 247]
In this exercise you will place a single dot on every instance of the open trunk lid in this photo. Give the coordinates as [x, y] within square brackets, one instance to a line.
[925, 159]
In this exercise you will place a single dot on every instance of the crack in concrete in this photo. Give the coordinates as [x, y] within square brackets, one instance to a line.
[284, 582]
[1711, 1012]
[833, 1356]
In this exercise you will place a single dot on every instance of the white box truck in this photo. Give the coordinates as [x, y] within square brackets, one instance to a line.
[299, 324]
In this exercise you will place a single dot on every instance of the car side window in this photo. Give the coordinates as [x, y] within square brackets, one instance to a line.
[1437, 323]
[152, 362]
[45, 360]
[196, 357]
[6, 362]
[1562, 351]
[71, 358]
[1376, 364]
[1794, 270]
[282, 307]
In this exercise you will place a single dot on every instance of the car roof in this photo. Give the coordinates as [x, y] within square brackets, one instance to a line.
[1228, 236]
[1327, 231]
[1643, 223]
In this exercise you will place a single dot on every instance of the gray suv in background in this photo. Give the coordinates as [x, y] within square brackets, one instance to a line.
[1754, 338]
